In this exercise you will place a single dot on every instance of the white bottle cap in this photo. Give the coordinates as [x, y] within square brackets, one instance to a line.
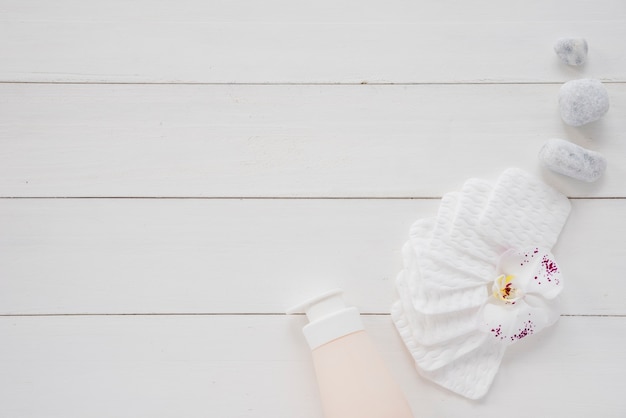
[329, 318]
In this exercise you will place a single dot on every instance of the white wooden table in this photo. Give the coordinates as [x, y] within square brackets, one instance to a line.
[175, 174]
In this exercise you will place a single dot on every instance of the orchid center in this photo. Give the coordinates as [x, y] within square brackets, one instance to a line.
[504, 289]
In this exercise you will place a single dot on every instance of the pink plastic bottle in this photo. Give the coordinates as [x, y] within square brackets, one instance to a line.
[352, 377]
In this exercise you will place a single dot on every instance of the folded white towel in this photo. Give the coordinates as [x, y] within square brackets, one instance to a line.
[478, 277]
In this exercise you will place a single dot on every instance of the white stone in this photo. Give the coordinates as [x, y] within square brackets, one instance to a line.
[583, 101]
[572, 160]
[572, 51]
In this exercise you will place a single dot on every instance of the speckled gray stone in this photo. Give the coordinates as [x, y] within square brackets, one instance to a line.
[572, 51]
[572, 160]
[583, 101]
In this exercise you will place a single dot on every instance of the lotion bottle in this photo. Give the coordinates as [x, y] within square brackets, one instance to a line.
[351, 374]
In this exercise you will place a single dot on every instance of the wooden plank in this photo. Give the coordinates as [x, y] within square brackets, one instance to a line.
[195, 41]
[233, 141]
[253, 256]
[284, 11]
[252, 366]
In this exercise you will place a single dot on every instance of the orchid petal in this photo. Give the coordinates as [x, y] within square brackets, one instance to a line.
[511, 323]
[534, 269]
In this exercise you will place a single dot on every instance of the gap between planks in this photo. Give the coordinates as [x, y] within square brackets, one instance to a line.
[357, 83]
[244, 314]
[265, 197]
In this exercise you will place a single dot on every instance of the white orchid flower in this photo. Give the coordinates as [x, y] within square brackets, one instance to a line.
[522, 300]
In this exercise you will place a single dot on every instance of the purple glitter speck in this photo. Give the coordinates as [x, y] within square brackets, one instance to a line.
[497, 332]
[526, 331]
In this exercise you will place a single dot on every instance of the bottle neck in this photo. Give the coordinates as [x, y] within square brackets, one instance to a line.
[332, 326]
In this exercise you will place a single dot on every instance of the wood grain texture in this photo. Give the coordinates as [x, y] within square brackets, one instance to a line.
[251, 366]
[168, 302]
[255, 256]
[285, 11]
[276, 42]
[285, 141]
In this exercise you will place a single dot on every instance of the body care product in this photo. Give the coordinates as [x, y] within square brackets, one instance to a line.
[353, 379]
